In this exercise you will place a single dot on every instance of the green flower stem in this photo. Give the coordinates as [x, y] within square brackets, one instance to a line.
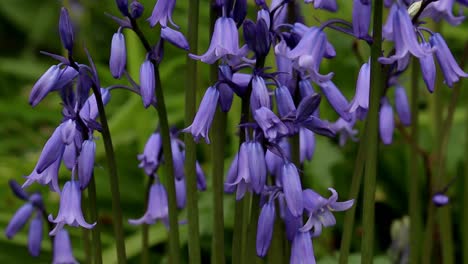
[414, 176]
[113, 179]
[236, 237]
[174, 243]
[465, 196]
[353, 194]
[190, 146]
[428, 236]
[86, 232]
[370, 170]
[145, 227]
[95, 232]
[247, 205]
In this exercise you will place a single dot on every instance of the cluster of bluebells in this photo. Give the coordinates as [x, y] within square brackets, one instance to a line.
[281, 105]
[263, 165]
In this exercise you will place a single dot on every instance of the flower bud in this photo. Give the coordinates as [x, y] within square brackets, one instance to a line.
[66, 30]
[118, 56]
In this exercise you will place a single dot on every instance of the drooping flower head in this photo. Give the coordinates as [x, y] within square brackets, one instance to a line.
[157, 207]
[63, 249]
[162, 13]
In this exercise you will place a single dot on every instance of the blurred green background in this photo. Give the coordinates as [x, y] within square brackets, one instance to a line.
[28, 26]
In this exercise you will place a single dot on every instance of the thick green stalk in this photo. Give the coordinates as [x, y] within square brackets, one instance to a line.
[113, 179]
[428, 235]
[237, 235]
[174, 244]
[217, 156]
[247, 205]
[95, 232]
[86, 232]
[353, 194]
[218, 150]
[370, 170]
[465, 196]
[190, 146]
[414, 179]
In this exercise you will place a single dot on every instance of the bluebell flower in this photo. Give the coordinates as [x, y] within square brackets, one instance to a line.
[70, 209]
[149, 159]
[428, 68]
[404, 36]
[136, 9]
[283, 63]
[336, 99]
[270, 124]
[239, 11]
[48, 177]
[273, 161]
[123, 6]
[306, 144]
[345, 130]
[17, 190]
[157, 207]
[281, 13]
[320, 210]
[181, 196]
[386, 122]
[147, 83]
[232, 175]
[438, 10]
[71, 151]
[309, 52]
[440, 199]
[224, 42]
[204, 117]
[360, 102]
[118, 56]
[89, 111]
[66, 30]
[35, 235]
[266, 222]
[402, 106]
[329, 5]
[302, 251]
[250, 168]
[18, 221]
[452, 72]
[259, 96]
[52, 151]
[178, 157]
[68, 131]
[86, 162]
[292, 223]
[292, 188]
[257, 35]
[361, 18]
[175, 38]
[162, 13]
[44, 85]
[201, 178]
[284, 101]
[63, 253]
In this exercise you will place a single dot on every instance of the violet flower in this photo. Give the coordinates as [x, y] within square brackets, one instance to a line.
[66, 30]
[438, 10]
[452, 72]
[386, 122]
[70, 209]
[336, 99]
[360, 102]
[309, 52]
[178, 157]
[48, 177]
[428, 68]
[402, 106]
[345, 130]
[301, 250]
[181, 196]
[320, 210]
[329, 5]
[86, 162]
[306, 144]
[284, 101]
[35, 235]
[157, 207]
[259, 96]
[404, 36]
[361, 18]
[440, 199]
[283, 63]
[266, 222]
[63, 249]
[175, 38]
[44, 85]
[136, 9]
[162, 13]
[270, 124]
[292, 188]
[118, 56]
[147, 83]
[224, 42]
[52, 151]
[202, 122]
[18, 221]
[149, 159]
